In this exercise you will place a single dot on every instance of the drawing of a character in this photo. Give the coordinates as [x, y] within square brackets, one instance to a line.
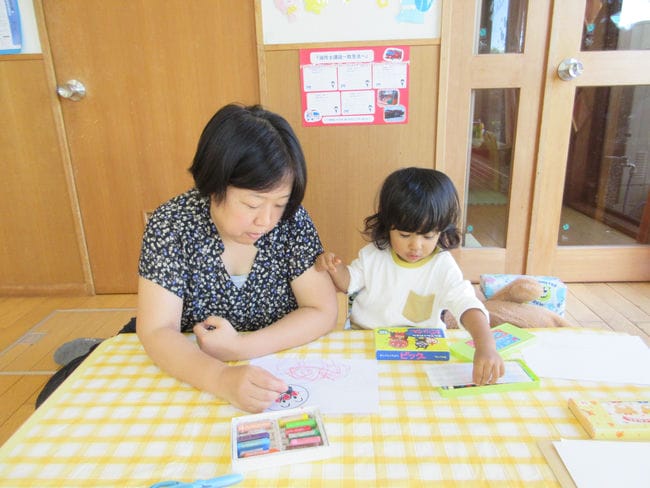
[421, 342]
[398, 340]
[624, 409]
[293, 397]
[547, 295]
[287, 396]
[288, 8]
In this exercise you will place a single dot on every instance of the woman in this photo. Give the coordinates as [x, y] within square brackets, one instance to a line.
[234, 254]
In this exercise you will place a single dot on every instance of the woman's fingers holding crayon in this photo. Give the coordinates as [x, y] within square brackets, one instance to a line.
[250, 388]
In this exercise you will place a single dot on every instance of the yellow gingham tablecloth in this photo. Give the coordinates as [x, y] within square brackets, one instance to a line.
[119, 421]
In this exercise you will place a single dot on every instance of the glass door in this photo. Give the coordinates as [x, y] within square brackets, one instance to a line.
[492, 66]
[591, 211]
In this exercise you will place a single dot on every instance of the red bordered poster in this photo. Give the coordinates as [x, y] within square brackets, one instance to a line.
[346, 86]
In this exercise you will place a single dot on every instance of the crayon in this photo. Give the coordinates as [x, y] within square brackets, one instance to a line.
[307, 433]
[257, 452]
[300, 423]
[304, 428]
[247, 427]
[282, 422]
[305, 442]
[253, 445]
[252, 437]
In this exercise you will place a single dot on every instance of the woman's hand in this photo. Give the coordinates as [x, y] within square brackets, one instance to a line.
[488, 366]
[249, 388]
[217, 337]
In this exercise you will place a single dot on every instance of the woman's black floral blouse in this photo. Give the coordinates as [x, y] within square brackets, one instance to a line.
[181, 251]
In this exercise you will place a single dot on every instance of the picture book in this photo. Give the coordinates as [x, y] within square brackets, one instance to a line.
[613, 419]
[508, 338]
[411, 343]
[455, 379]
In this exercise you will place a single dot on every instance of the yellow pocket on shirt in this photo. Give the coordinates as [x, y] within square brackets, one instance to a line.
[418, 307]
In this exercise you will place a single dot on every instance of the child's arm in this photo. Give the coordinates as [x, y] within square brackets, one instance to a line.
[330, 262]
[488, 364]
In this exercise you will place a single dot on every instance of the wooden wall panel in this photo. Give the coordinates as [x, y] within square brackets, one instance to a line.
[39, 249]
[347, 164]
[152, 84]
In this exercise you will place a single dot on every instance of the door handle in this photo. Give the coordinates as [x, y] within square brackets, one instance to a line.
[569, 69]
[72, 90]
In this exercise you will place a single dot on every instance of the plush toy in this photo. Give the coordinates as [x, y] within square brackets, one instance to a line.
[509, 304]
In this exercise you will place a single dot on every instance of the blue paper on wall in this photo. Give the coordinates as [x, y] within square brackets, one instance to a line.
[11, 39]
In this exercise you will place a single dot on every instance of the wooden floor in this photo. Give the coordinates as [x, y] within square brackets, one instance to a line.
[32, 328]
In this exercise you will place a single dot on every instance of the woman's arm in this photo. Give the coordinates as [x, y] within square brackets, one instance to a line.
[158, 328]
[315, 316]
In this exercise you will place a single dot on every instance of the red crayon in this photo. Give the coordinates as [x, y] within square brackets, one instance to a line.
[305, 442]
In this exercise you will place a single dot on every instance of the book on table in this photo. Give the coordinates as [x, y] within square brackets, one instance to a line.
[508, 338]
[411, 343]
[613, 419]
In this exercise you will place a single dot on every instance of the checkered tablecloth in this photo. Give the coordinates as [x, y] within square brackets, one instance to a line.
[120, 422]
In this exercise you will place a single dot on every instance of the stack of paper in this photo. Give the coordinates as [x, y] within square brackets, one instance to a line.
[581, 356]
[598, 464]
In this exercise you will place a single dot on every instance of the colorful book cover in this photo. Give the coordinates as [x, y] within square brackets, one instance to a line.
[613, 419]
[508, 338]
[411, 343]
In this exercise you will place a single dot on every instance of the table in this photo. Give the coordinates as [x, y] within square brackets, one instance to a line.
[119, 421]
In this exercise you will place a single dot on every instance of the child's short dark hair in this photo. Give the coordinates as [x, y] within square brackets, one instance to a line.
[416, 200]
[251, 148]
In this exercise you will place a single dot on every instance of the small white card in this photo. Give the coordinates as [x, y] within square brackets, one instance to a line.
[460, 374]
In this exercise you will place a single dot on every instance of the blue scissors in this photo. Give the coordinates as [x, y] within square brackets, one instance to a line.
[218, 482]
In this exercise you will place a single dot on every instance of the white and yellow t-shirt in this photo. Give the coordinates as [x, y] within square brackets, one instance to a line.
[393, 292]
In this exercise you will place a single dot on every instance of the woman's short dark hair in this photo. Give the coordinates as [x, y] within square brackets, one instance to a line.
[416, 200]
[251, 148]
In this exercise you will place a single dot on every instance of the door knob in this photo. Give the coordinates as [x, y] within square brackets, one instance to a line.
[569, 69]
[72, 90]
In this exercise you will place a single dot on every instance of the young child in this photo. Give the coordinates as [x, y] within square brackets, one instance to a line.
[405, 276]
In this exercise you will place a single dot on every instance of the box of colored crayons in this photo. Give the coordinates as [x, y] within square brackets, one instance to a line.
[277, 438]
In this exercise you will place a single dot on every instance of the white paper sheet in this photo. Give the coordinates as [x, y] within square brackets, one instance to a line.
[605, 464]
[332, 385]
[614, 358]
[460, 374]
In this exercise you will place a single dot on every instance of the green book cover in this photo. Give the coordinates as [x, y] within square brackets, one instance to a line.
[508, 338]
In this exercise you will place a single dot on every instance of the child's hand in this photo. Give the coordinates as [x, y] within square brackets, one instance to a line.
[328, 261]
[488, 366]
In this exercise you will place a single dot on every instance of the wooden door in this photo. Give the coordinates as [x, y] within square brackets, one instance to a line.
[556, 180]
[154, 73]
[492, 64]
[591, 211]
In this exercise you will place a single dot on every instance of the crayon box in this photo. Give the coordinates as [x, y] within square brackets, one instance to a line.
[411, 343]
[613, 419]
[277, 438]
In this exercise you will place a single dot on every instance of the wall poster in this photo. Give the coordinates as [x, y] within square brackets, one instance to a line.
[363, 85]
[10, 28]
